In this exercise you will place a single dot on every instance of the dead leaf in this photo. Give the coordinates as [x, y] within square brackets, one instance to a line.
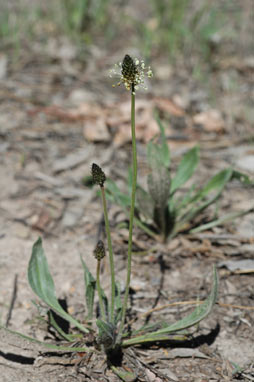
[42, 220]
[88, 110]
[72, 160]
[72, 215]
[184, 353]
[151, 377]
[57, 112]
[95, 130]
[239, 63]
[168, 106]
[246, 163]
[168, 373]
[146, 126]
[239, 266]
[3, 66]
[211, 120]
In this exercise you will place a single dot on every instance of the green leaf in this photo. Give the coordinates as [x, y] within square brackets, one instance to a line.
[165, 152]
[243, 178]
[183, 201]
[123, 200]
[60, 331]
[144, 203]
[199, 313]
[118, 196]
[43, 286]
[194, 318]
[223, 219]
[147, 328]
[105, 328]
[158, 182]
[118, 302]
[47, 345]
[126, 376]
[158, 154]
[185, 169]
[215, 185]
[153, 155]
[107, 333]
[90, 286]
[145, 228]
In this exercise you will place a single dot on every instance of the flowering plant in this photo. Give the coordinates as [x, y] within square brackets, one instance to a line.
[112, 333]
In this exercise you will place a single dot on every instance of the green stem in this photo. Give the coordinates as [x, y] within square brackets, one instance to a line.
[133, 194]
[111, 256]
[98, 284]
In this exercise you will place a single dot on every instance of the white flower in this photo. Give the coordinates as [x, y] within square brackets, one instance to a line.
[132, 73]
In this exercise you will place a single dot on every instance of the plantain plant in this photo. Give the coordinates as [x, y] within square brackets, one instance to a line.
[164, 209]
[105, 327]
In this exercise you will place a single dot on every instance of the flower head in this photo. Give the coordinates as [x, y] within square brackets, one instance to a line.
[132, 73]
[99, 251]
[98, 175]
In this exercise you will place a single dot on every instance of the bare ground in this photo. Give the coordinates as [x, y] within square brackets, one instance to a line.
[50, 110]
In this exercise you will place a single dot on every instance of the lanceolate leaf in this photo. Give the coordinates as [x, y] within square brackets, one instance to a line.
[158, 182]
[195, 317]
[199, 313]
[43, 286]
[158, 154]
[105, 328]
[144, 203]
[243, 178]
[107, 333]
[223, 219]
[90, 286]
[214, 187]
[217, 183]
[118, 196]
[181, 202]
[118, 302]
[165, 152]
[47, 345]
[125, 376]
[60, 331]
[154, 155]
[186, 168]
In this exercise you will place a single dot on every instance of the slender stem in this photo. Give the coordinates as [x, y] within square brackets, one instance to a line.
[133, 194]
[98, 284]
[111, 256]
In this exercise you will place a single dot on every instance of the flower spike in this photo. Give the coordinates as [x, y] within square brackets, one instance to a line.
[129, 69]
[98, 175]
[132, 73]
[99, 251]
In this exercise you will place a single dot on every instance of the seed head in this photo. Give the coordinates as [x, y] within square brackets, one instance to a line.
[98, 175]
[99, 251]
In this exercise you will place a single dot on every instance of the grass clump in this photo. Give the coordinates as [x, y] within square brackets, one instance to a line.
[183, 27]
[109, 331]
